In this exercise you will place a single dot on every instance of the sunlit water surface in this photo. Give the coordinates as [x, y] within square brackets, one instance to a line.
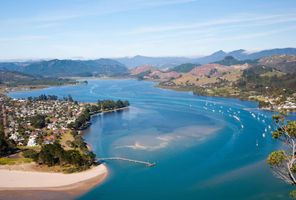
[204, 147]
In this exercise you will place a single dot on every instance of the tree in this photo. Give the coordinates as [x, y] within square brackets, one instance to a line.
[283, 162]
[30, 153]
[73, 157]
[38, 121]
[54, 154]
[51, 154]
[6, 146]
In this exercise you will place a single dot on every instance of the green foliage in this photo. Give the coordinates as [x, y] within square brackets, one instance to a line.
[252, 80]
[38, 121]
[51, 154]
[93, 109]
[230, 60]
[23, 134]
[106, 105]
[111, 105]
[184, 68]
[293, 168]
[68, 98]
[40, 138]
[291, 128]
[276, 158]
[3, 144]
[14, 79]
[73, 157]
[278, 118]
[293, 194]
[67, 68]
[283, 162]
[277, 134]
[81, 121]
[43, 97]
[14, 161]
[6, 146]
[285, 130]
[30, 153]
[264, 104]
[79, 142]
[54, 154]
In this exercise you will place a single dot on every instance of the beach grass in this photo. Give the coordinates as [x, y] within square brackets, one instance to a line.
[14, 161]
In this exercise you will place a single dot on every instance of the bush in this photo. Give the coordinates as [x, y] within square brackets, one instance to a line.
[30, 153]
[73, 157]
[54, 154]
[38, 121]
[6, 146]
[51, 154]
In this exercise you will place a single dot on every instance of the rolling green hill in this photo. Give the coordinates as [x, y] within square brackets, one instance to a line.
[13, 79]
[230, 60]
[67, 68]
[184, 68]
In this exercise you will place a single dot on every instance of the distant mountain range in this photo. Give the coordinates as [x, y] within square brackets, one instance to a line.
[119, 66]
[13, 78]
[164, 62]
[67, 68]
[242, 54]
[230, 60]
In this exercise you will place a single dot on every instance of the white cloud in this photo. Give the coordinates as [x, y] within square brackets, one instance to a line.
[97, 9]
[23, 38]
[232, 20]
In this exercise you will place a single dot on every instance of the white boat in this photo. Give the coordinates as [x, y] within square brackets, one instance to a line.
[236, 117]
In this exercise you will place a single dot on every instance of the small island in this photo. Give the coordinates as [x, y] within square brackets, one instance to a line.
[41, 139]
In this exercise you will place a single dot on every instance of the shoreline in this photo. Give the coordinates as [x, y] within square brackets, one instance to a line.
[17, 182]
[99, 78]
[14, 184]
[180, 89]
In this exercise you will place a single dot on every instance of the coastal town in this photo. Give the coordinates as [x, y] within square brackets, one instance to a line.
[47, 123]
[26, 121]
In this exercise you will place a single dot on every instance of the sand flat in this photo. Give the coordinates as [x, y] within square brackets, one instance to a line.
[15, 180]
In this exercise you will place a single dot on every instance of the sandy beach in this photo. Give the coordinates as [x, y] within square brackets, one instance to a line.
[17, 184]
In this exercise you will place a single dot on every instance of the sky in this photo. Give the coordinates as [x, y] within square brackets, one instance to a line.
[89, 29]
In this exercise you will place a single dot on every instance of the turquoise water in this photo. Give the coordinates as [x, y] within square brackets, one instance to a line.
[204, 147]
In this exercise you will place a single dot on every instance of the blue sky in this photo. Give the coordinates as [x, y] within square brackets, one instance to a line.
[31, 29]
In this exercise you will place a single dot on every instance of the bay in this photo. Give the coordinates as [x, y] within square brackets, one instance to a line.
[203, 147]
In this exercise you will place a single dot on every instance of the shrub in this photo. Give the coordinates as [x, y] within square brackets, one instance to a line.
[30, 153]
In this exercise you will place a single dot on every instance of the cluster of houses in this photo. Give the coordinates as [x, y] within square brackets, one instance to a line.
[279, 103]
[289, 104]
[17, 115]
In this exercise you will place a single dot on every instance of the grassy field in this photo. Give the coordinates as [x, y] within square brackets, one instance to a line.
[66, 138]
[190, 80]
[273, 73]
[14, 161]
